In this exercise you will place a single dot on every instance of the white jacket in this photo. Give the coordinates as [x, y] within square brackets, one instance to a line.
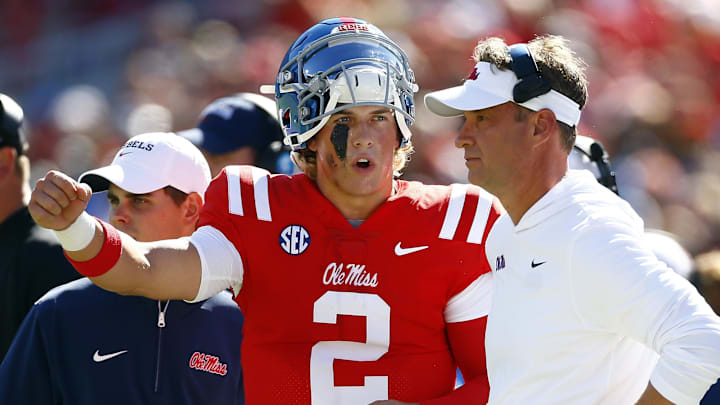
[578, 300]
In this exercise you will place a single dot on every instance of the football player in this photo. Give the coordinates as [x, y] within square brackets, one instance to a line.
[356, 286]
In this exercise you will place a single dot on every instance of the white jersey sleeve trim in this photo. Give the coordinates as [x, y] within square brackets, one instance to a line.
[222, 266]
[235, 205]
[262, 198]
[471, 303]
[482, 213]
[454, 211]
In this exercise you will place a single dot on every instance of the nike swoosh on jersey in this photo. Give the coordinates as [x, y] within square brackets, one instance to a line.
[400, 251]
[97, 357]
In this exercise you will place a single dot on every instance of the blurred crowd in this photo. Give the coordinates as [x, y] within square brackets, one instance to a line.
[92, 74]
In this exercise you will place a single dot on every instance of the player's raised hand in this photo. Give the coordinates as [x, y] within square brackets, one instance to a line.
[58, 200]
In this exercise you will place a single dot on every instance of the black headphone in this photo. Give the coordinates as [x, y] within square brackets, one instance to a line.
[531, 82]
[597, 154]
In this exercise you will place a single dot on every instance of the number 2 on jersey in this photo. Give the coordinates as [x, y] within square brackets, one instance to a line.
[377, 313]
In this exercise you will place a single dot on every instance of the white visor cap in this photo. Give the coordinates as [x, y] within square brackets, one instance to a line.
[492, 86]
[150, 162]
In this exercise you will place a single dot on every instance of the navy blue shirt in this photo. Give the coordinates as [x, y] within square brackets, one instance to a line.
[81, 344]
[712, 397]
[31, 263]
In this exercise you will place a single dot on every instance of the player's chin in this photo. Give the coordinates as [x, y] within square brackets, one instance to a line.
[365, 184]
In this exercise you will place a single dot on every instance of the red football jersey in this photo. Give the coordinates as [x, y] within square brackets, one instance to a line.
[342, 315]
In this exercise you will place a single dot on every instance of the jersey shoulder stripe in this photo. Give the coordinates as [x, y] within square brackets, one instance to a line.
[235, 206]
[470, 212]
[260, 178]
[481, 217]
[248, 177]
[454, 211]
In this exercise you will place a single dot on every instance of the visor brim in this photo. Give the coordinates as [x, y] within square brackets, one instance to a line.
[456, 100]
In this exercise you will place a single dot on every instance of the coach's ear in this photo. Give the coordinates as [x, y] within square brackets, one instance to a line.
[545, 126]
[191, 208]
[8, 156]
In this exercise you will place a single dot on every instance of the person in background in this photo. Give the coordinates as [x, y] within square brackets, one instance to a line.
[589, 154]
[31, 259]
[578, 295]
[241, 129]
[707, 272]
[81, 344]
[707, 267]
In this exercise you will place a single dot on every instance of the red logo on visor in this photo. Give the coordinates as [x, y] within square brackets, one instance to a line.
[473, 75]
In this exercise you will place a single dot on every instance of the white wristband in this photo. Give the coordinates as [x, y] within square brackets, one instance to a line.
[79, 234]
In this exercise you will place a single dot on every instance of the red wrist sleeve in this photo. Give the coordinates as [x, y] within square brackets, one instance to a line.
[107, 257]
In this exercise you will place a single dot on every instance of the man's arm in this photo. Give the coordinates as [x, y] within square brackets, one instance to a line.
[168, 269]
[619, 285]
[467, 340]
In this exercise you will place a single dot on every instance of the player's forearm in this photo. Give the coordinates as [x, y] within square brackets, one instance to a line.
[466, 339]
[120, 274]
[167, 269]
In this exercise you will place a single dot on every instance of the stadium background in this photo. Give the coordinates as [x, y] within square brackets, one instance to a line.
[91, 74]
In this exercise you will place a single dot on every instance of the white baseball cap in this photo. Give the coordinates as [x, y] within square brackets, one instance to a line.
[488, 86]
[150, 162]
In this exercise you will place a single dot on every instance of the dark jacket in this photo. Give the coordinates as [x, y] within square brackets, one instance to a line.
[81, 345]
[31, 263]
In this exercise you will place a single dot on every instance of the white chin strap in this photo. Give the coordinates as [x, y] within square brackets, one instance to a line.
[368, 86]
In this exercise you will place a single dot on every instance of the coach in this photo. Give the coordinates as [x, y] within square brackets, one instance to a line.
[580, 303]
